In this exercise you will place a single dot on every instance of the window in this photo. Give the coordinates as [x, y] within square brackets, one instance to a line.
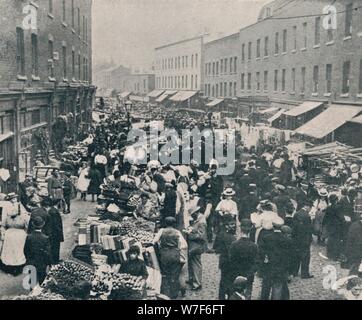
[79, 67]
[179, 62]
[276, 50]
[226, 65]
[360, 77]
[328, 78]
[206, 93]
[34, 55]
[258, 48]
[186, 81]
[285, 33]
[196, 85]
[217, 90]
[78, 18]
[293, 79]
[221, 66]
[225, 89]
[206, 69]
[35, 117]
[265, 80]
[50, 6]
[284, 72]
[235, 64]
[221, 92]
[315, 78]
[83, 33]
[249, 81]
[230, 89]
[266, 46]
[20, 51]
[305, 39]
[213, 68]
[213, 91]
[258, 81]
[217, 68]
[276, 80]
[183, 82]
[317, 31]
[349, 18]
[295, 38]
[243, 52]
[303, 72]
[234, 89]
[73, 64]
[64, 11]
[249, 50]
[192, 61]
[196, 60]
[231, 65]
[183, 62]
[50, 60]
[187, 61]
[243, 81]
[73, 15]
[346, 77]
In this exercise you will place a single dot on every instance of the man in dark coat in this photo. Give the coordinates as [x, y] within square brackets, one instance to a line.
[282, 201]
[249, 203]
[243, 255]
[56, 236]
[302, 236]
[40, 212]
[169, 204]
[302, 197]
[274, 252]
[37, 249]
[222, 244]
[286, 168]
[95, 181]
[354, 246]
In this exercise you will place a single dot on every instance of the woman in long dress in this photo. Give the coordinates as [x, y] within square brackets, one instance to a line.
[83, 181]
[15, 226]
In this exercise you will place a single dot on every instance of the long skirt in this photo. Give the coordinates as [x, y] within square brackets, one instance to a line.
[13, 248]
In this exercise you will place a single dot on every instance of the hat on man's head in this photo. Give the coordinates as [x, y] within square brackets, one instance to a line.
[280, 187]
[38, 222]
[275, 179]
[246, 225]
[11, 196]
[228, 192]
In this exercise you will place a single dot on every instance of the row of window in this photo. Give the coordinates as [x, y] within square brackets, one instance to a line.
[79, 64]
[178, 82]
[181, 62]
[221, 90]
[280, 78]
[82, 25]
[137, 86]
[227, 66]
[304, 36]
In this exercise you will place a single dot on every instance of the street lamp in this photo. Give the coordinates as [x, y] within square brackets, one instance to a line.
[128, 107]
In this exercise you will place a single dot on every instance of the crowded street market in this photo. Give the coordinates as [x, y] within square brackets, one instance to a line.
[152, 229]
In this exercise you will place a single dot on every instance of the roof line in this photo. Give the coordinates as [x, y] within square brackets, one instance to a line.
[222, 38]
[178, 42]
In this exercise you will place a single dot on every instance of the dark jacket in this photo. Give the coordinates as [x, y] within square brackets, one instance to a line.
[282, 202]
[243, 256]
[302, 199]
[135, 268]
[248, 206]
[334, 220]
[354, 243]
[222, 245]
[40, 212]
[275, 253]
[56, 224]
[37, 250]
[197, 238]
[95, 181]
[347, 208]
[302, 233]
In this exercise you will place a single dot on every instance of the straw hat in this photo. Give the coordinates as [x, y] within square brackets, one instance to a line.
[323, 192]
[228, 192]
[354, 168]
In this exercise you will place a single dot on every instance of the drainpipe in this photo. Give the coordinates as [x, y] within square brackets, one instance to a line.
[17, 136]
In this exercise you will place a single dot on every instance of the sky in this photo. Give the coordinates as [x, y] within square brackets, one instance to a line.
[127, 31]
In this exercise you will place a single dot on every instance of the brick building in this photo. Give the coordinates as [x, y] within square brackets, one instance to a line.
[45, 79]
[179, 65]
[140, 84]
[221, 67]
[290, 55]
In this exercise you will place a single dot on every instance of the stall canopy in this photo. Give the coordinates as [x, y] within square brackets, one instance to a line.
[305, 107]
[165, 95]
[328, 121]
[125, 94]
[269, 110]
[214, 103]
[155, 93]
[356, 120]
[183, 96]
[276, 116]
[138, 98]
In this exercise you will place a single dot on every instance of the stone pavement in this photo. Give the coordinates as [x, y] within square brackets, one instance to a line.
[12, 286]
[306, 289]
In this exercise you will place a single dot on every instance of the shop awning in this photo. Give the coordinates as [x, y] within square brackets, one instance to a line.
[214, 103]
[276, 116]
[328, 121]
[269, 110]
[137, 98]
[165, 95]
[125, 94]
[170, 92]
[6, 136]
[356, 120]
[155, 93]
[183, 96]
[303, 108]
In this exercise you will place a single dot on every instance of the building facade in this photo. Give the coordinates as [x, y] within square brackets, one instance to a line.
[221, 67]
[179, 65]
[140, 84]
[303, 50]
[46, 75]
